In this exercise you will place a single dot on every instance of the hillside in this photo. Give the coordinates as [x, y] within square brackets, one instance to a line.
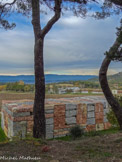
[116, 78]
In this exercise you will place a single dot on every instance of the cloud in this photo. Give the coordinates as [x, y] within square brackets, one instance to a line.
[81, 46]
[72, 46]
[16, 50]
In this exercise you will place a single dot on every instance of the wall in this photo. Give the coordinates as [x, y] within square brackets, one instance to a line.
[61, 115]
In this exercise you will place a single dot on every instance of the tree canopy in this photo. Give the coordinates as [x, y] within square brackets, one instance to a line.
[78, 7]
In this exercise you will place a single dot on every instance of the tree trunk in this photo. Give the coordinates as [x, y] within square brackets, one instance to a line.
[39, 128]
[117, 109]
[39, 113]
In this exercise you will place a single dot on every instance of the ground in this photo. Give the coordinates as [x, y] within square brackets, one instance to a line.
[99, 148]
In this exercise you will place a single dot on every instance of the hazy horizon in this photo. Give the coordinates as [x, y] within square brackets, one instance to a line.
[50, 74]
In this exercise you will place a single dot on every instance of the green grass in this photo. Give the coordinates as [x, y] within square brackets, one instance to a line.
[3, 137]
[65, 138]
[90, 134]
[102, 132]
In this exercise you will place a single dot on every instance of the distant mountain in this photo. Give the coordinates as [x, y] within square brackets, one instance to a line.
[29, 79]
[50, 78]
[116, 78]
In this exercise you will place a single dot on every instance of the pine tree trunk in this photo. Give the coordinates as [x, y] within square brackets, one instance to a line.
[39, 112]
[39, 128]
[117, 109]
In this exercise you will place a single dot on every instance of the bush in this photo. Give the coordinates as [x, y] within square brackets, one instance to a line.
[111, 116]
[2, 134]
[76, 132]
[112, 119]
[119, 100]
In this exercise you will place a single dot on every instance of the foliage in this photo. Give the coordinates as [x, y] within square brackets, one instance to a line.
[2, 134]
[19, 87]
[112, 119]
[119, 98]
[101, 132]
[78, 7]
[76, 132]
[111, 116]
[2, 87]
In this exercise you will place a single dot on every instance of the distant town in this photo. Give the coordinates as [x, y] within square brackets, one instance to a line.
[86, 87]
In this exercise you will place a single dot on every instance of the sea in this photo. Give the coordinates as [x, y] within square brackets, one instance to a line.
[49, 78]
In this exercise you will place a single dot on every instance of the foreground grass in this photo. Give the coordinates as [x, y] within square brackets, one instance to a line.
[92, 146]
[3, 137]
[90, 134]
[105, 146]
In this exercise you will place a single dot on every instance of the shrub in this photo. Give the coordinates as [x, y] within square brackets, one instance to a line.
[2, 134]
[111, 116]
[76, 132]
[112, 119]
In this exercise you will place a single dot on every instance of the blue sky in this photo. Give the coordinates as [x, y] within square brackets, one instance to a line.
[73, 46]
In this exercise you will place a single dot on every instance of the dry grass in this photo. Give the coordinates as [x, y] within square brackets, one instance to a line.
[107, 148]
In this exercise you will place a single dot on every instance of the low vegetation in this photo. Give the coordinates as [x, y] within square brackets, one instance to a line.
[76, 132]
[111, 116]
[3, 137]
[91, 147]
[17, 87]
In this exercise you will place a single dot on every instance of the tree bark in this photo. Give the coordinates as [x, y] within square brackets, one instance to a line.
[38, 110]
[39, 113]
[117, 109]
[39, 128]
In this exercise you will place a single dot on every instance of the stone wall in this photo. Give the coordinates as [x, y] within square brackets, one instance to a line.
[61, 115]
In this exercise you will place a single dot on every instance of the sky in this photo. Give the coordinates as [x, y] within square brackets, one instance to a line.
[74, 46]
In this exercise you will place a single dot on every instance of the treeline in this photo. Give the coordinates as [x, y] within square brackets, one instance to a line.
[17, 87]
[82, 84]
